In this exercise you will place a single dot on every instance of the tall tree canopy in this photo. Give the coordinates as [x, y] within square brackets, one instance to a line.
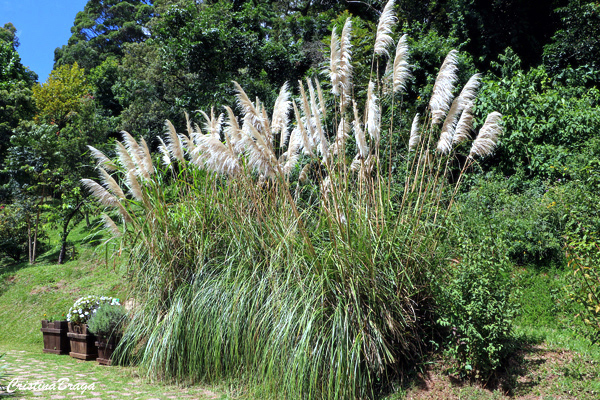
[16, 101]
[101, 29]
[62, 95]
[195, 51]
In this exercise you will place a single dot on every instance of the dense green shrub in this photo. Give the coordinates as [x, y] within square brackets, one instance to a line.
[547, 122]
[108, 320]
[529, 219]
[13, 232]
[576, 43]
[584, 257]
[477, 305]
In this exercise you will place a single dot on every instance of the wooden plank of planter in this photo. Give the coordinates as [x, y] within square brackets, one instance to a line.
[82, 343]
[55, 337]
[105, 351]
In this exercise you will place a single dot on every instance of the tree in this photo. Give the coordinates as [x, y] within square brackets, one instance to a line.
[45, 163]
[101, 30]
[16, 101]
[13, 232]
[196, 49]
[62, 95]
[8, 33]
[576, 43]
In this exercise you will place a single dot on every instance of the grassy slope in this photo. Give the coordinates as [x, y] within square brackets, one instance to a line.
[27, 292]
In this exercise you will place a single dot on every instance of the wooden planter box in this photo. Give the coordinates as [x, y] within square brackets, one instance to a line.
[82, 342]
[55, 337]
[106, 347]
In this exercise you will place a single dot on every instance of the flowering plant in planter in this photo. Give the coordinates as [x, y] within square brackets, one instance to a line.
[84, 308]
[54, 317]
[108, 321]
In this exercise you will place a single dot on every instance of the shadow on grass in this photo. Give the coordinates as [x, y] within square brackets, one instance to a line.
[93, 239]
[8, 268]
[516, 377]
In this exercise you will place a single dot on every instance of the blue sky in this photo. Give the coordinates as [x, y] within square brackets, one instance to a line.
[42, 26]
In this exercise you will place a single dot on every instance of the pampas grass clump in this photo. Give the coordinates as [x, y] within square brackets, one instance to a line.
[265, 252]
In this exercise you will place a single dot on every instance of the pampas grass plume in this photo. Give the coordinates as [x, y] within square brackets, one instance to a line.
[359, 134]
[486, 140]
[401, 71]
[384, 29]
[414, 134]
[102, 160]
[110, 225]
[464, 126]
[334, 62]
[443, 87]
[373, 114]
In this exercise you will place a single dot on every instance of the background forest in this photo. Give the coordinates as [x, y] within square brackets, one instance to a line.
[529, 208]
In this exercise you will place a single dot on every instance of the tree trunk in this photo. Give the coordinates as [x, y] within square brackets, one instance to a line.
[35, 232]
[29, 247]
[65, 233]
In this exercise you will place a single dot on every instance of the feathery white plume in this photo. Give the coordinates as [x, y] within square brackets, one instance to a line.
[486, 140]
[345, 67]
[355, 165]
[281, 110]
[110, 225]
[359, 134]
[233, 131]
[444, 145]
[124, 157]
[464, 126]
[306, 142]
[291, 156]
[469, 92]
[319, 138]
[304, 173]
[146, 157]
[99, 192]
[212, 124]
[308, 120]
[190, 146]
[134, 150]
[384, 29]
[166, 157]
[415, 135]
[334, 62]
[373, 114]
[466, 97]
[174, 146]
[134, 186]
[247, 106]
[443, 87]
[259, 155]
[102, 159]
[216, 156]
[341, 137]
[111, 184]
[322, 104]
[401, 68]
[387, 79]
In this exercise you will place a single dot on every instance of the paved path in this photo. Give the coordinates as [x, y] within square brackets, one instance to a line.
[51, 376]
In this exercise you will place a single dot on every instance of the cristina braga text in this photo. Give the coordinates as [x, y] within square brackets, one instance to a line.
[39, 386]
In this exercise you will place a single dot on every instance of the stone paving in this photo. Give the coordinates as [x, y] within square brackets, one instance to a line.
[47, 376]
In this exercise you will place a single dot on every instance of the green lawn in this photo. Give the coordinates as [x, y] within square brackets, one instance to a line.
[27, 292]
